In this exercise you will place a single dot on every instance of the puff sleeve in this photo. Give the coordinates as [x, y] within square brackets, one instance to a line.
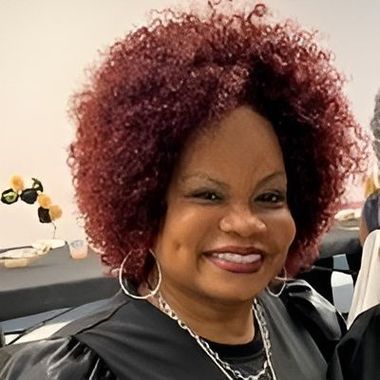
[61, 358]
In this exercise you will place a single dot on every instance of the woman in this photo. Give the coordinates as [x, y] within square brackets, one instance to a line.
[210, 155]
[370, 218]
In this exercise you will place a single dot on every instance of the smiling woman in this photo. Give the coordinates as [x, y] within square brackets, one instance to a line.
[227, 226]
[210, 155]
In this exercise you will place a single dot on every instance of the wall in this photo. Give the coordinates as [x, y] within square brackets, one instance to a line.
[45, 46]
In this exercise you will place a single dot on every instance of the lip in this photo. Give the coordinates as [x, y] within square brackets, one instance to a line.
[235, 249]
[234, 267]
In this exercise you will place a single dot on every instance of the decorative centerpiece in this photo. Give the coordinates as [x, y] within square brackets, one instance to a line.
[47, 213]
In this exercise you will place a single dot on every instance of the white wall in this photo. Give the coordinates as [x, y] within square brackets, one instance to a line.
[45, 45]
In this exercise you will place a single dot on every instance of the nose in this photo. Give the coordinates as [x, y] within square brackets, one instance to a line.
[243, 222]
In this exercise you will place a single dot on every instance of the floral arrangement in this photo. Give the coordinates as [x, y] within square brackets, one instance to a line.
[47, 211]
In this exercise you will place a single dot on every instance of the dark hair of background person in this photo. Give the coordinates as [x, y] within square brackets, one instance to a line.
[161, 83]
[375, 128]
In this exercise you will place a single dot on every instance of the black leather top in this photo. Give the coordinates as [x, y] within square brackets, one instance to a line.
[131, 339]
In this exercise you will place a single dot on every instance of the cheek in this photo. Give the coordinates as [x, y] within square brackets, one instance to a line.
[183, 234]
[282, 233]
[290, 229]
[282, 229]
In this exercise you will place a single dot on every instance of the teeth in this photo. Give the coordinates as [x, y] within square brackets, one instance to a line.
[236, 258]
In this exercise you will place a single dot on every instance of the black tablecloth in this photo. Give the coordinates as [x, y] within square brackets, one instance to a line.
[57, 281]
[52, 282]
[340, 241]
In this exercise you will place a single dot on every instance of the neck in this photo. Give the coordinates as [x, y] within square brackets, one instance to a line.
[213, 320]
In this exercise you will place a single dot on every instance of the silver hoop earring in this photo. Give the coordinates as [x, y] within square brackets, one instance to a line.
[283, 280]
[128, 292]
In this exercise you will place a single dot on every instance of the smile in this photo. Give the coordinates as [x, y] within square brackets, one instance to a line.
[236, 262]
[237, 258]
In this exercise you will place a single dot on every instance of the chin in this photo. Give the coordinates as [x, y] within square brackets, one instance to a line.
[235, 294]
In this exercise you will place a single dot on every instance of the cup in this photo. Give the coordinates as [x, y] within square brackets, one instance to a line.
[78, 249]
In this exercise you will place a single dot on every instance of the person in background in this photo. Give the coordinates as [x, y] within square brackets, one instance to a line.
[211, 154]
[357, 355]
[367, 288]
[370, 218]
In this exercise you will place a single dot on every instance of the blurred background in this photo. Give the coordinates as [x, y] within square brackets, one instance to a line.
[47, 45]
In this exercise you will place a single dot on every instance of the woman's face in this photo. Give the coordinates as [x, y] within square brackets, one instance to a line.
[228, 228]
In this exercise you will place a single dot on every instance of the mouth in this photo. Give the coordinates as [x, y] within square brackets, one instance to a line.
[236, 259]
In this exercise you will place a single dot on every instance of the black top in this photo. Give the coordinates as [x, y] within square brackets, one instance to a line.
[357, 356]
[133, 340]
[246, 358]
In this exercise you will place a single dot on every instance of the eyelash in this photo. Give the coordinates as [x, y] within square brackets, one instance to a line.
[272, 197]
[207, 195]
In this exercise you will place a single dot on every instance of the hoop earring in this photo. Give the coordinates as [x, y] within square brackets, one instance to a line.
[283, 285]
[135, 296]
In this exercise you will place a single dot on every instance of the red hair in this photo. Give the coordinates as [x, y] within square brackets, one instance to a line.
[163, 82]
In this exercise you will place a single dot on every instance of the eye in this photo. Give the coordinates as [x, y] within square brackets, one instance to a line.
[207, 195]
[274, 198]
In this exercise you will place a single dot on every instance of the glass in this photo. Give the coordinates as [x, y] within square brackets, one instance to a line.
[78, 249]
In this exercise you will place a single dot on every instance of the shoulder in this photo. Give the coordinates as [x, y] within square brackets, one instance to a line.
[60, 358]
[356, 356]
[307, 308]
[304, 303]
[367, 320]
[364, 332]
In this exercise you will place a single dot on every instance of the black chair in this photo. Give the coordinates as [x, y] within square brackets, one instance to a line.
[319, 275]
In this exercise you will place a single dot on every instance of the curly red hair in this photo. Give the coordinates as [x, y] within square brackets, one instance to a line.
[163, 82]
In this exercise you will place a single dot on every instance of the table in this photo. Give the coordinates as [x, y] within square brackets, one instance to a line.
[340, 241]
[54, 281]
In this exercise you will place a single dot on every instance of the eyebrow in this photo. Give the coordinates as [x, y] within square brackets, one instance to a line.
[206, 177]
[272, 176]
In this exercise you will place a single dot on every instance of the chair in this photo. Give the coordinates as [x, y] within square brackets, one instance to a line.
[367, 288]
[334, 279]
[342, 283]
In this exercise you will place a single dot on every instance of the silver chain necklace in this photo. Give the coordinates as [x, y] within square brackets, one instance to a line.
[214, 356]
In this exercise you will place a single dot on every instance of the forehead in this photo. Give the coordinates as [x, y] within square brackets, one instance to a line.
[241, 141]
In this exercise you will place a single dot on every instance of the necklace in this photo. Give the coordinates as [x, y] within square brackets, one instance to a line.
[225, 367]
